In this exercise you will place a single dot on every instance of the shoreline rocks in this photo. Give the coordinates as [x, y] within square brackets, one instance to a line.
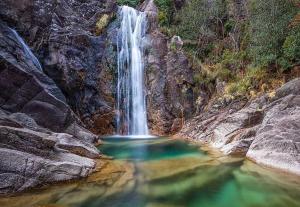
[266, 130]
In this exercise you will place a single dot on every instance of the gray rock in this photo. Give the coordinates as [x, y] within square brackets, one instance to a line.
[21, 170]
[30, 158]
[69, 143]
[176, 43]
[169, 80]
[277, 142]
[75, 53]
[265, 131]
[33, 113]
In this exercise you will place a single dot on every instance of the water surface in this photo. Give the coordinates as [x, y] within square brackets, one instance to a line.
[164, 172]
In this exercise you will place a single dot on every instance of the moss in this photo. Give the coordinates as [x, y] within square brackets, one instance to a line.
[102, 23]
[162, 18]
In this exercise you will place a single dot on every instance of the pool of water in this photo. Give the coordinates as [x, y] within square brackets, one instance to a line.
[161, 172]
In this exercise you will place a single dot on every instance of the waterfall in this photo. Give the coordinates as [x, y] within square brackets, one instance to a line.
[131, 106]
[27, 50]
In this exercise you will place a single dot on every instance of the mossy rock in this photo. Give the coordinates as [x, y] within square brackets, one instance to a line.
[102, 23]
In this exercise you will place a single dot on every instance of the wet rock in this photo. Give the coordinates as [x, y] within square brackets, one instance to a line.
[151, 10]
[194, 178]
[155, 170]
[81, 62]
[29, 94]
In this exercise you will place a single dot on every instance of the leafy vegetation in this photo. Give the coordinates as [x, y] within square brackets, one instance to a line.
[165, 14]
[251, 46]
[269, 22]
[131, 3]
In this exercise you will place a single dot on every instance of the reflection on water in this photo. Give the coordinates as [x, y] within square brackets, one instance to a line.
[164, 172]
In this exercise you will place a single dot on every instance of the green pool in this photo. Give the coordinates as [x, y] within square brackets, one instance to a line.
[163, 172]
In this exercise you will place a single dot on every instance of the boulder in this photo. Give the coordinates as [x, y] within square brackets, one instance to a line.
[21, 170]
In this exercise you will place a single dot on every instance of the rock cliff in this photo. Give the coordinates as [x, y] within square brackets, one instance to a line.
[72, 41]
[41, 139]
[170, 98]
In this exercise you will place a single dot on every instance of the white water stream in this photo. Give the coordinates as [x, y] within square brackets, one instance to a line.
[131, 104]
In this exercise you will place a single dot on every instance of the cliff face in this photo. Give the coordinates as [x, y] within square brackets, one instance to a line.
[41, 138]
[71, 40]
[76, 44]
[169, 79]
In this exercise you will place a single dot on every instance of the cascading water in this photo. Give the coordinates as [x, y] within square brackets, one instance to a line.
[131, 106]
[27, 51]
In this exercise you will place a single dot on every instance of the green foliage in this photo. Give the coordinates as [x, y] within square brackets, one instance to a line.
[234, 61]
[210, 76]
[246, 45]
[163, 18]
[229, 25]
[291, 50]
[252, 80]
[200, 18]
[131, 3]
[165, 14]
[269, 22]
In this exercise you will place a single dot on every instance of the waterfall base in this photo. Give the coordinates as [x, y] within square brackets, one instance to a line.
[136, 137]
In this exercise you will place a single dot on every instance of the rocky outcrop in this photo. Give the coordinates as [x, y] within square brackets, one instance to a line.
[169, 79]
[41, 139]
[81, 60]
[74, 43]
[265, 130]
[277, 142]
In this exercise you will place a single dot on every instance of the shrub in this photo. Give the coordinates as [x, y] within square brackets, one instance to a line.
[165, 14]
[269, 22]
[291, 50]
[131, 3]
[102, 23]
[249, 82]
[200, 18]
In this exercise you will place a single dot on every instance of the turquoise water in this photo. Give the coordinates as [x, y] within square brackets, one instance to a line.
[147, 149]
[208, 181]
[162, 172]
